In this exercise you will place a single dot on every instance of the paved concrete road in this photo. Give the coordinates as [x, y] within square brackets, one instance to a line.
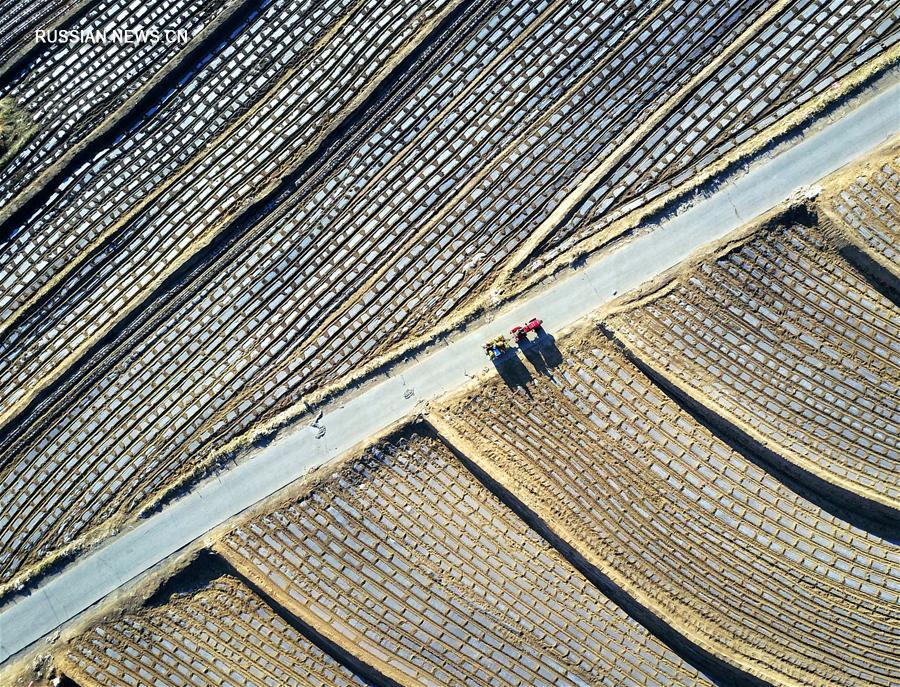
[768, 184]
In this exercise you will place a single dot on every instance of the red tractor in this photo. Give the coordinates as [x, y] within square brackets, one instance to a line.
[521, 333]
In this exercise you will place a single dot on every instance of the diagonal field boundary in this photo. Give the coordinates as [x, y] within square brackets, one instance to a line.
[90, 579]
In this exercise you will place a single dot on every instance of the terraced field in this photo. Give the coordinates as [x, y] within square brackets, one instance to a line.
[791, 344]
[696, 532]
[407, 561]
[70, 89]
[328, 184]
[768, 80]
[19, 19]
[98, 289]
[221, 634]
[868, 208]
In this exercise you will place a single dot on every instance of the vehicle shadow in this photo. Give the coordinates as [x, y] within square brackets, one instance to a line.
[513, 371]
[542, 353]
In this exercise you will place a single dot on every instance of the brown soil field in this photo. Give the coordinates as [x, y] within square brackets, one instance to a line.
[789, 342]
[405, 559]
[863, 202]
[277, 219]
[696, 531]
[591, 515]
[219, 634]
[394, 567]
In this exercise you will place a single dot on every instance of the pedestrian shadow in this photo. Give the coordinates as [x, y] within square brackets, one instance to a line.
[513, 371]
[542, 353]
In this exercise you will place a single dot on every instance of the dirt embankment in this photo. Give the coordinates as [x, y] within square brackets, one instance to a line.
[16, 128]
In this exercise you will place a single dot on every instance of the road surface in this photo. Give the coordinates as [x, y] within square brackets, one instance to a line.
[767, 184]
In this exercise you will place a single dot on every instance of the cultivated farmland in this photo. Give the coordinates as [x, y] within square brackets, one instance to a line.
[253, 240]
[19, 19]
[97, 290]
[396, 561]
[866, 206]
[691, 528]
[221, 634]
[404, 558]
[71, 88]
[735, 108]
[791, 344]
[285, 239]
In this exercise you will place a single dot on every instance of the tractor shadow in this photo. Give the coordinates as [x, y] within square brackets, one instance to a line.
[513, 371]
[542, 353]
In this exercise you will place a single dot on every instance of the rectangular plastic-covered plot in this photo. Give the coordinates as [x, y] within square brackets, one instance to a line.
[701, 536]
[411, 564]
[868, 208]
[785, 339]
[19, 19]
[72, 86]
[100, 286]
[222, 635]
[807, 49]
[159, 228]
